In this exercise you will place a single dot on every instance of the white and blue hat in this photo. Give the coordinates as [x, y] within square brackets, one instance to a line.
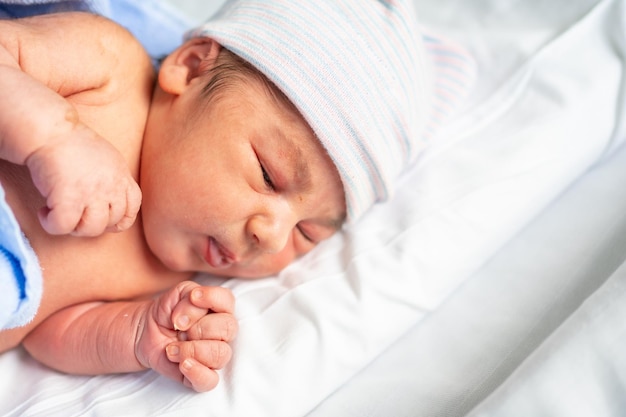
[357, 71]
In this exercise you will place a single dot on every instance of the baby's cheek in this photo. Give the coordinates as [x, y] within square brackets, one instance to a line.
[266, 265]
[280, 260]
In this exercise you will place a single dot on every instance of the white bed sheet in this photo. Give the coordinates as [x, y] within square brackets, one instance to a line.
[513, 340]
[581, 368]
[544, 111]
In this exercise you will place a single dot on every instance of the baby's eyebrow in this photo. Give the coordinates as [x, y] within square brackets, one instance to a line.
[336, 222]
[302, 174]
[303, 177]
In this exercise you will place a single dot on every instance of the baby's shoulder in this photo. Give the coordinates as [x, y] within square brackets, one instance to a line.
[75, 52]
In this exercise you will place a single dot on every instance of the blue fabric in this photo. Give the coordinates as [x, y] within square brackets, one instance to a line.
[20, 275]
[158, 26]
[10, 9]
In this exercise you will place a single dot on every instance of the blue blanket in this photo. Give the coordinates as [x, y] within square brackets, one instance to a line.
[158, 26]
[20, 274]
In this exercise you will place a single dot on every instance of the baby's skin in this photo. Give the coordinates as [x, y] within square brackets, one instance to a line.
[67, 185]
[237, 186]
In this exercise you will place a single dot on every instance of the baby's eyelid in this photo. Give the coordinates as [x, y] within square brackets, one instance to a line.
[266, 177]
[304, 235]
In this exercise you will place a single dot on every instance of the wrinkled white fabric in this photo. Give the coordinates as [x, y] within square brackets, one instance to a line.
[544, 111]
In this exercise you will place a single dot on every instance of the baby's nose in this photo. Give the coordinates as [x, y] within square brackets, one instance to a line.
[270, 230]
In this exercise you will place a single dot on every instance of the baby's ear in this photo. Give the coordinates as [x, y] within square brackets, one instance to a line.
[191, 59]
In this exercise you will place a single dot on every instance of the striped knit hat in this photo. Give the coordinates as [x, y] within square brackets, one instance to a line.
[355, 69]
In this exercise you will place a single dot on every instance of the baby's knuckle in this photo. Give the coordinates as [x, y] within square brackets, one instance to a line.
[229, 329]
[219, 353]
[183, 286]
[190, 350]
[202, 333]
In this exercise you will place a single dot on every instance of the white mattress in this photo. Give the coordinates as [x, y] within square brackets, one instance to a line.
[549, 104]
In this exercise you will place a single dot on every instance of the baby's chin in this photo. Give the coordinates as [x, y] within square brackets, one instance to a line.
[170, 259]
[251, 271]
[244, 273]
[173, 264]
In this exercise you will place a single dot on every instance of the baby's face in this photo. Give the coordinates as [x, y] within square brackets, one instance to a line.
[237, 187]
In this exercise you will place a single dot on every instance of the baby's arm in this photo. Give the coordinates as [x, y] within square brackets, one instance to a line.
[116, 337]
[86, 182]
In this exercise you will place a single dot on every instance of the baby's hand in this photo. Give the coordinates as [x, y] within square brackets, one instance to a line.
[87, 185]
[187, 333]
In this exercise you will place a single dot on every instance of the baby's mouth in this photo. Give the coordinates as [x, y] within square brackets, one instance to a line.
[217, 255]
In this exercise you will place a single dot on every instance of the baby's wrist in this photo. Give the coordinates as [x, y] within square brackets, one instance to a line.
[50, 132]
[141, 337]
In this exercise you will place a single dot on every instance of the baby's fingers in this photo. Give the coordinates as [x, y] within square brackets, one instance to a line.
[93, 221]
[61, 219]
[197, 301]
[216, 326]
[197, 376]
[198, 360]
[217, 299]
[124, 212]
[87, 220]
